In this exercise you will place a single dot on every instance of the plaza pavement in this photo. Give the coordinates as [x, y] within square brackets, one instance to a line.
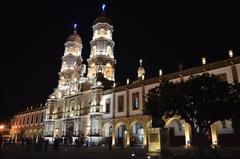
[102, 152]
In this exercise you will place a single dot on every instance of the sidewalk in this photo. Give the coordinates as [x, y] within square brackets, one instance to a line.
[102, 152]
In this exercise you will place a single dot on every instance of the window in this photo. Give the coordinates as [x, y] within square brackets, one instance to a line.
[135, 101]
[120, 103]
[107, 104]
[28, 118]
[36, 118]
[32, 119]
[15, 122]
[42, 117]
[19, 123]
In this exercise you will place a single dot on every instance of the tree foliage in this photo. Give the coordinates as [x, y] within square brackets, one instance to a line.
[235, 109]
[200, 101]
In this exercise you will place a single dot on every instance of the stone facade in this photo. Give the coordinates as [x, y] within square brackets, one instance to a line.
[28, 124]
[93, 108]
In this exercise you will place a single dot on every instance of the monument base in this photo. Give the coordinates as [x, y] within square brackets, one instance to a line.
[95, 140]
[158, 141]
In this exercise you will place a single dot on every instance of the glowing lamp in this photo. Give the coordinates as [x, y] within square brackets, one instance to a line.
[99, 83]
[203, 60]
[160, 72]
[230, 53]
[1, 127]
[127, 80]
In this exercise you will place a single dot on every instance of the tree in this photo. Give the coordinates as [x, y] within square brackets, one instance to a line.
[235, 116]
[200, 101]
[159, 102]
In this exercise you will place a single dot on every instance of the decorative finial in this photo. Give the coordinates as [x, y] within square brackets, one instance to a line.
[103, 7]
[75, 27]
[140, 61]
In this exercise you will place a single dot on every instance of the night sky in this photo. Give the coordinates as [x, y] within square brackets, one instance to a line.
[162, 33]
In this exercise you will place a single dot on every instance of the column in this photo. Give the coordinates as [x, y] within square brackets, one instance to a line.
[145, 135]
[187, 131]
[128, 136]
[214, 134]
[113, 135]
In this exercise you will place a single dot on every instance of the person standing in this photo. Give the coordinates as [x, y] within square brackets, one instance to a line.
[86, 143]
[76, 144]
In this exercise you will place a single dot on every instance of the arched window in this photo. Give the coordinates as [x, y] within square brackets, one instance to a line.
[32, 119]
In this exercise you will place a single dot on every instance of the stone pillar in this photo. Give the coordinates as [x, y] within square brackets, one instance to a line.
[145, 136]
[128, 136]
[187, 131]
[214, 134]
[158, 141]
[113, 135]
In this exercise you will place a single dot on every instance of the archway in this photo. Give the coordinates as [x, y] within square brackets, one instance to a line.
[107, 132]
[137, 134]
[176, 132]
[120, 132]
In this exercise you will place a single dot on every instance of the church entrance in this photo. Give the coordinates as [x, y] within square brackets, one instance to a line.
[69, 133]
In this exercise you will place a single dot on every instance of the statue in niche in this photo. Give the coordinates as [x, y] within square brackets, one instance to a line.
[97, 97]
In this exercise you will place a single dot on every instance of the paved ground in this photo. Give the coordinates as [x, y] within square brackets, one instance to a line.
[102, 152]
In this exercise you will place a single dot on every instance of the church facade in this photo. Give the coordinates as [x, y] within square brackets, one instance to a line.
[87, 104]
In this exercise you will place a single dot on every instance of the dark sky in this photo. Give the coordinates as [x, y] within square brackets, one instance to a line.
[162, 33]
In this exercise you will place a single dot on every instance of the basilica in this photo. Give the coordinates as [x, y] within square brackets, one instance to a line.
[87, 103]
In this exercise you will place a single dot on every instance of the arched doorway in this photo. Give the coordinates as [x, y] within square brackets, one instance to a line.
[120, 138]
[137, 134]
[107, 133]
[176, 132]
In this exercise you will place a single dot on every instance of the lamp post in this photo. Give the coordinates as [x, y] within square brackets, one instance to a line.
[1, 127]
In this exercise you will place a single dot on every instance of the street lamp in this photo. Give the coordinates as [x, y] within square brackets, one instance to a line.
[1, 127]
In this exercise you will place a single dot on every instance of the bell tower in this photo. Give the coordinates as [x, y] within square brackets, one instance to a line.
[101, 58]
[72, 68]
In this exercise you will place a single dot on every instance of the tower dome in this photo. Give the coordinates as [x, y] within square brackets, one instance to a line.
[74, 37]
[103, 18]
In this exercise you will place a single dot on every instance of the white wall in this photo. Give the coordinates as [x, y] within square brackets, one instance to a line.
[238, 71]
[227, 130]
[148, 87]
[226, 70]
